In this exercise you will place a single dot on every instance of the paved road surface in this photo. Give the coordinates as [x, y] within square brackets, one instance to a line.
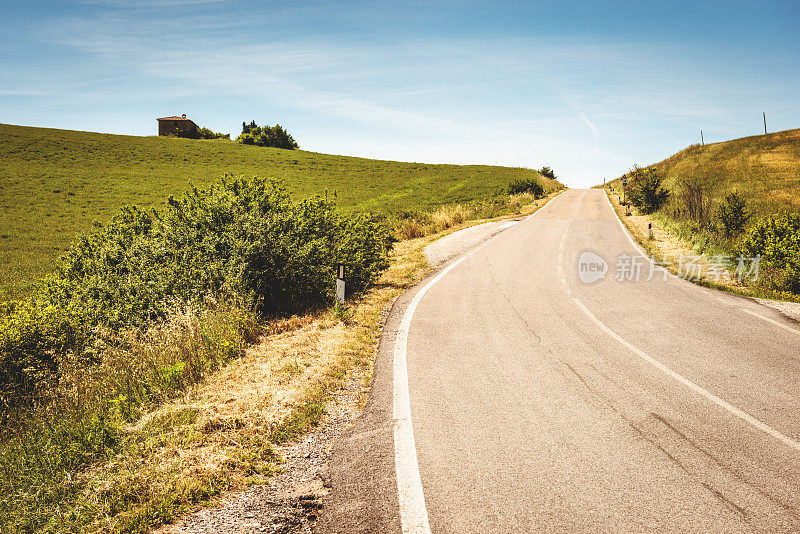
[541, 403]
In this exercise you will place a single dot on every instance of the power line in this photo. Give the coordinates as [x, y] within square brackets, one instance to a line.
[764, 115]
[782, 110]
[735, 127]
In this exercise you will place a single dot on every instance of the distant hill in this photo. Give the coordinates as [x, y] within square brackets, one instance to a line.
[764, 168]
[55, 183]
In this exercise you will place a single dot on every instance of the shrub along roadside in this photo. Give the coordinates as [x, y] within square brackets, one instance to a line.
[411, 225]
[245, 238]
[773, 241]
[131, 318]
[777, 241]
[733, 215]
[644, 190]
[526, 185]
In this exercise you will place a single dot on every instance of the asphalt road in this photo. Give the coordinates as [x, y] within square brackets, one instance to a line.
[543, 403]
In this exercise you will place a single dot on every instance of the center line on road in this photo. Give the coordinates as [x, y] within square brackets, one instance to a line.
[786, 440]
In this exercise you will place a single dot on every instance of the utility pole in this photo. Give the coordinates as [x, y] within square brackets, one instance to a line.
[765, 122]
[702, 142]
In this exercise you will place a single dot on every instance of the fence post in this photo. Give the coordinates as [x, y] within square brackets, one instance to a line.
[340, 283]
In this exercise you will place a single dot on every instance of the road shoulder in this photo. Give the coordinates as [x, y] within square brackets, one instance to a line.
[665, 244]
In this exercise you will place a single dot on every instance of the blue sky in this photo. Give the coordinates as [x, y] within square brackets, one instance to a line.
[589, 88]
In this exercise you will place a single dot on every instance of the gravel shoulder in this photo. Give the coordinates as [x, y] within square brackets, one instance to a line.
[292, 500]
[788, 309]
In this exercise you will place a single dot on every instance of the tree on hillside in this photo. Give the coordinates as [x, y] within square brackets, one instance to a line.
[270, 136]
[733, 214]
[644, 190]
[547, 172]
[206, 133]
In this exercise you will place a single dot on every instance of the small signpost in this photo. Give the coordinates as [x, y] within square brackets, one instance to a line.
[624, 185]
[340, 283]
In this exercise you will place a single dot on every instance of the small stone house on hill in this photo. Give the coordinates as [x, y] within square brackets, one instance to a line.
[178, 127]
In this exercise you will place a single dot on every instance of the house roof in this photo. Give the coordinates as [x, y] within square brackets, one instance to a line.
[175, 118]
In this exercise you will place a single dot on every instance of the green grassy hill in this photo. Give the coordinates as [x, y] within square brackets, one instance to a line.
[763, 168]
[55, 183]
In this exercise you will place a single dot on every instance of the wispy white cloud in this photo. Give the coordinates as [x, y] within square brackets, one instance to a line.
[588, 123]
[21, 91]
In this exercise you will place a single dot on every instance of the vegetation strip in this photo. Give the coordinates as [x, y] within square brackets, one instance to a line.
[665, 243]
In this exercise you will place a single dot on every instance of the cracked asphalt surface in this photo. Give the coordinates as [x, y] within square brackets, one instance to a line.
[544, 404]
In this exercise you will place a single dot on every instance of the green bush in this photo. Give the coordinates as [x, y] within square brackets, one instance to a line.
[644, 190]
[245, 238]
[526, 185]
[206, 133]
[733, 215]
[31, 339]
[269, 136]
[777, 241]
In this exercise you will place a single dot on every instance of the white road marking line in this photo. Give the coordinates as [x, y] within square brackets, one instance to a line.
[413, 512]
[776, 323]
[691, 385]
[625, 230]
[509, 224]
[786, 440]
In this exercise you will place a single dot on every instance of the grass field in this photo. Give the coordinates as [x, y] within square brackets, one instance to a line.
[55, 183]
[765, 169]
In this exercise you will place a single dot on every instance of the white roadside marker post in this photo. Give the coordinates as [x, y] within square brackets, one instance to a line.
[649, 230]
[340, 283]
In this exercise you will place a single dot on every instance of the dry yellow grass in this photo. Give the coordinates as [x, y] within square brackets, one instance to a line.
[763, 168]
[453, 215]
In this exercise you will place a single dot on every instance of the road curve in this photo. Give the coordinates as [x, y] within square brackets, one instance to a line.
[543, 403]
